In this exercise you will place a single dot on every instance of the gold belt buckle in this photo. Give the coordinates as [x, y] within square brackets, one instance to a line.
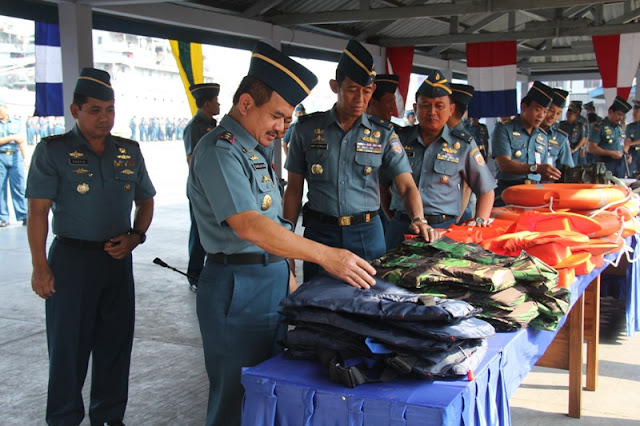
[527, 181]
[344, 220]
[8, 152]
[367, 218]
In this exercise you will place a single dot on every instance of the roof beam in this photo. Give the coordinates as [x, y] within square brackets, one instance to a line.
[487, 20]
[98, 3]
[260, 8]
[562, 51]
[558, 66]
[538, 33]
[629, 16]
[430, 10]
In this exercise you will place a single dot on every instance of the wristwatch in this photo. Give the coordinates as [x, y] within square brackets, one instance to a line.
[533, 168]
[139, 233]
[419, 219]
[480, 220]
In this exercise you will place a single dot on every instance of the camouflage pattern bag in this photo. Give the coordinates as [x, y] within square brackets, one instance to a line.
[595, 173]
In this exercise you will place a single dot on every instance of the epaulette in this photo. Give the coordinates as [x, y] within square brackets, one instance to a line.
[306, 117]
[562, 131]
[54, 138]
[462, 135]
[125, 140]
[380, 122]
[227, 136]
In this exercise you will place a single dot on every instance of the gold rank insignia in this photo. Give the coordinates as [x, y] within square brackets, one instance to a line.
[122, 150]
[317, 169]
[253, 158]
[318, 131]
[266, 178]
[266, 202]
[367, 131]
[444, 144]
[76, 154]
[457, 144]
[124, 157]
[367, 170]
[444, 179]
[127, 187]
[81, 171]
[82, 188]
[518, 154]
[376, 134]
[127, 172]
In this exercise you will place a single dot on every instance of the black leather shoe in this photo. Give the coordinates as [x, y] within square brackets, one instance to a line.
[193, 287]
[114, 423]
[24, 222]
[4, 223]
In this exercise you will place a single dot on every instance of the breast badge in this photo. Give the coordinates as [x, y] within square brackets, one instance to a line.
[253, 158]
[317, 169]
[367, 170]
[517, 154]
[444, 179]
[82, 188]
[76, 154]
[367, 131]
[127, 187]
[266, 202]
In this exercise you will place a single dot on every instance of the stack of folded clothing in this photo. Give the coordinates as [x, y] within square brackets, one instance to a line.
[513, 292]
[378, 334]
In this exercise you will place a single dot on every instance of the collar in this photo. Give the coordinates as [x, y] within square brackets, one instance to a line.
[445, 136]
[204, 117]
[80, 140]
[362, 120]
[243, 138]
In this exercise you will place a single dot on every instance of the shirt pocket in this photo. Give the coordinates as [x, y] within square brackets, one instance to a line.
[317, 165]
[368, 163]
[444, 167]
[125, 179]
[519, 149]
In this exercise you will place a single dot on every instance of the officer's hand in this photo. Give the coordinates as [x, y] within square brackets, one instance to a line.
[547, 171]
[293, 284]
[42, 282]
[616, 155]
[292, 265]
[481, 224]
[425, 231]
[349, 268]
[119, 247]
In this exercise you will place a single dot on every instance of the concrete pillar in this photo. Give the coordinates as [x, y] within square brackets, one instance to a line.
[77, 49]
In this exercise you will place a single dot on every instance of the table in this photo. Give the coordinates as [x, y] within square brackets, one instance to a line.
[285, 392]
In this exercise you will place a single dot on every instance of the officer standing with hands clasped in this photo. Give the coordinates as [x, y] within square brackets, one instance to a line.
[442, 160]
[520, 147]
[606, 140]
[632, 140]
[340, 153]
[89, 179]
[236, 202]
[206, 96]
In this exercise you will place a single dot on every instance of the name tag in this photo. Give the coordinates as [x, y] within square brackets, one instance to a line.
[259, 166]
[316, 145]
[78, 161]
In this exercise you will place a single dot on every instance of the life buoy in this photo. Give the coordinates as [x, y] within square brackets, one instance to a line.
[567, 195]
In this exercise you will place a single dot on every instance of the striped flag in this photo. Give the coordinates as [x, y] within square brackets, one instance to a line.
[49, 99]
[400, 63]
[618, 57]
[191, 66]
[491, 70]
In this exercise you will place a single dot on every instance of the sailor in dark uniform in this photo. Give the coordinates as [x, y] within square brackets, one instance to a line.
[559, 149]
[606, 139]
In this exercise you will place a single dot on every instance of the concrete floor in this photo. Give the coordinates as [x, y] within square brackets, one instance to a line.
[168, 383]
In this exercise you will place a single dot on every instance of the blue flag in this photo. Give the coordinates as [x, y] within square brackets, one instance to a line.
[49, 100]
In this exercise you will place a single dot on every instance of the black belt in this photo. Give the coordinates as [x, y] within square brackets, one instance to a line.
[9, 152]
[73, 242]
[244, 258]
[353, 219]
[502, 182]
[433, 219]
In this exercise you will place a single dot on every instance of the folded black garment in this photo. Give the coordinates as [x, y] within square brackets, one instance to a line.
[384, 300]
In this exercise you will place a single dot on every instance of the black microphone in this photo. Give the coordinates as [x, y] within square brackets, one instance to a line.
[160, 262]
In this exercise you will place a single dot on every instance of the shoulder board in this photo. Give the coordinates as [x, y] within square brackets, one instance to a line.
[54, 138]
[227, 136]
[462, 135]
[125, 140]
[306, 117]
[380, 122]
[559, 130]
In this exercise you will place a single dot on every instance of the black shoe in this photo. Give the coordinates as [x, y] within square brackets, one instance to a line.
[4, 223]
[24, 222]
[193, 287]
[114, 423]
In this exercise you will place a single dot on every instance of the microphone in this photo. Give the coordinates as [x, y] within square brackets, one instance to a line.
[162, 263]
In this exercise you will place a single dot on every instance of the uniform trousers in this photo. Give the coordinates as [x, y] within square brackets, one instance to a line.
[196, 251]
[364, 239]
[616, 167]
[399, 227]
[91, 312]
[634, 167]
[12, 171]
[237, 309]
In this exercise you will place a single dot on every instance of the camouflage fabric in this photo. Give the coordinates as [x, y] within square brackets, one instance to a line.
[596, 173]
[512, 291]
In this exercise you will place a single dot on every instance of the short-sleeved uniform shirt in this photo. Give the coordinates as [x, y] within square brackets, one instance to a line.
[559, 149]
[440, 168]
[575, 132]
[607, 136]
[480, 134]
[231, 173]
[92, 196]
[11, 127]
[633, 131]
[512, 139]
[197, 127]
[342, 168]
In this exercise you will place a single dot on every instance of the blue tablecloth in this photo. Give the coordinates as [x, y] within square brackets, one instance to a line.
[297, 393]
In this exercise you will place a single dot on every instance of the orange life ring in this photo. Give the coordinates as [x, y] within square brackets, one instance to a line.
[567, 195]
